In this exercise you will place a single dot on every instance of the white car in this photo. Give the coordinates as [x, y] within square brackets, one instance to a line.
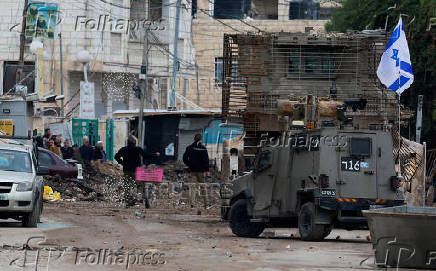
[21, 184]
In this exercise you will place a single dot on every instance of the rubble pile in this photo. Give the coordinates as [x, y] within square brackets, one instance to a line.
[182, 196]
[104, 182]
[101, 182]
[177, 172]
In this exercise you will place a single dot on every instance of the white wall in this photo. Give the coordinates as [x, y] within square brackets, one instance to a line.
[112, 51]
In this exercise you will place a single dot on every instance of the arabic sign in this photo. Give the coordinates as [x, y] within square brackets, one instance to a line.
[87, 100]
[7, 127]
[41, 19]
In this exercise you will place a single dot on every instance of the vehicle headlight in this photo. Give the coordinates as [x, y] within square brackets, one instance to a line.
[25, 186]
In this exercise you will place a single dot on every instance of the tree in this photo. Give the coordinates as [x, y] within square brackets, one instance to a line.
[421, 36]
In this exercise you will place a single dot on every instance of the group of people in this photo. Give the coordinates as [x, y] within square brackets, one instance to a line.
[130, 157]
[86, 153]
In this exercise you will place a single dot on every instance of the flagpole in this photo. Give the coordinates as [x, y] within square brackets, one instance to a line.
[399, 115]
[399, 125]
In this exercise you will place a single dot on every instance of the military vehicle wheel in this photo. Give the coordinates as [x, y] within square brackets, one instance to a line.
[240, 221]
[309, 231]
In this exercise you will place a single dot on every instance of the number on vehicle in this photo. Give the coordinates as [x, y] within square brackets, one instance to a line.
[350, 164]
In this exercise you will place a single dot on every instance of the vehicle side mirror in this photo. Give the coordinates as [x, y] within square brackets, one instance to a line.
[42, 171]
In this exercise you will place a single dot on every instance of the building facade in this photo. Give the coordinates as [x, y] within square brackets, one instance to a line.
[214, 18]
[113, 33]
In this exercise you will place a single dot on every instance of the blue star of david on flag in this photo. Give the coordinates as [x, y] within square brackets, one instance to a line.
[395, 68]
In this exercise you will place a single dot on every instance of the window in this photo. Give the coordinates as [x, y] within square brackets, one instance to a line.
[194, 9]
[310, 62]
[231, 9]
[137, 15]
[325, 13]
[45, 159]
[155, 10]
[303, 10]
[218, 70]
[360, 146]
[264, 10]
[10, 76]
[117, 24]
[15, 161]
[294, 62]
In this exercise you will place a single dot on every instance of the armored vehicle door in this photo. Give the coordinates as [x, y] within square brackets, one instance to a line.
[357, 166]
[263, 184]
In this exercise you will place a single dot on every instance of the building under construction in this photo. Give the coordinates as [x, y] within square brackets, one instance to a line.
[273, 81]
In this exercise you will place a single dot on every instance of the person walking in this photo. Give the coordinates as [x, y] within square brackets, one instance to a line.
[131, 157]
[86, 151]
[197, 160]
[67, 151]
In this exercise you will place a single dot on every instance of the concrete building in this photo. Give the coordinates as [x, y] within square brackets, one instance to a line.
[213, 18]
[113, 34]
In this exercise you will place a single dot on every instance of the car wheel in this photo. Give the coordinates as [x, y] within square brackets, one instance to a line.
[31, 219]
[309, 231]
[240, 221]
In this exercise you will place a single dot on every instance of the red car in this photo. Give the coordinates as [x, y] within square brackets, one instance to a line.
[57, 165]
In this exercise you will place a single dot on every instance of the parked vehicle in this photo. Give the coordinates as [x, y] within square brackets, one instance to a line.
[21, 183]
[59, 166]
[324, 178]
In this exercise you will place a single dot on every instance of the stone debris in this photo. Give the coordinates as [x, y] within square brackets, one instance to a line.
[104, 182]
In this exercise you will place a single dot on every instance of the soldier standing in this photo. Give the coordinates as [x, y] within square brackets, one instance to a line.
[197, 160]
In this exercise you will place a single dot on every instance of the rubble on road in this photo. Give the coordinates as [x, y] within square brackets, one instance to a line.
[104, 182]
[97, 177]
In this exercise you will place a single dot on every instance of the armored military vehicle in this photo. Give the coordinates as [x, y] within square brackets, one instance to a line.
[321, 178]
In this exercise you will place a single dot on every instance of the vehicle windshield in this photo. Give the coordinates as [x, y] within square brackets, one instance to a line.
[15, 161]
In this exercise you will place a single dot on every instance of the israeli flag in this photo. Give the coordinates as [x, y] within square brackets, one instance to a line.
[395, 69]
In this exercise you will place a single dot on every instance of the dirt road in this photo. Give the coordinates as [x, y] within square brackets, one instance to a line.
[94, 236]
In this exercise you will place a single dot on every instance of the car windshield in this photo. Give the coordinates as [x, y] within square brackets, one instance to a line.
[15, 161]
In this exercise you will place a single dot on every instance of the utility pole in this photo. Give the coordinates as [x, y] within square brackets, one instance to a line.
[19, 73]
[61, 71]
[143, 86]
[419, 119]
[172, 98]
